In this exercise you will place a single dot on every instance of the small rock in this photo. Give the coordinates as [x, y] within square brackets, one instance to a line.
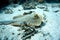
[46, 10]
[5, 38]
[19, 34]
[19, 10]
[13, 33]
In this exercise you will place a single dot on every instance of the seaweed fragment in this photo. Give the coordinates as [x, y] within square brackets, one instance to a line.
[29, 33]
[56, 11]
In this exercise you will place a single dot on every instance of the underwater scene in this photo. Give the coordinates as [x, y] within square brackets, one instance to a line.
[29, 19]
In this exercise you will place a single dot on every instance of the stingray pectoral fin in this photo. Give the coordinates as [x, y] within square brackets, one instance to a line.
[15, 24]
[17, 16]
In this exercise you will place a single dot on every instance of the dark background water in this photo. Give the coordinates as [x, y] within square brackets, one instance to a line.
[4, 3]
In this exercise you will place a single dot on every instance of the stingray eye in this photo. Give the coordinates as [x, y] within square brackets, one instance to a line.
[36, 16]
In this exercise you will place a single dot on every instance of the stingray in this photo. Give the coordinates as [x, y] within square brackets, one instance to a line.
[33, 19]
